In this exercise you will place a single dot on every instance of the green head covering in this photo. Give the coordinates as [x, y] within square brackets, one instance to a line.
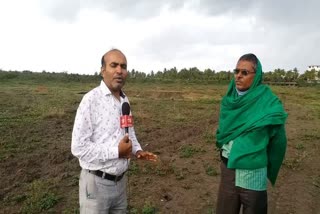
[258, 108]
[239, 114]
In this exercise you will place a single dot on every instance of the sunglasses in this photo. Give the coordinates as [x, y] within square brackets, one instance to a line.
[243, 72]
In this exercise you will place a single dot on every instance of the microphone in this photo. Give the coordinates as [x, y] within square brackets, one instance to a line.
[126, 119]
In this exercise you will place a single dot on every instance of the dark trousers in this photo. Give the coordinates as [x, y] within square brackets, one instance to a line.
[230, 197]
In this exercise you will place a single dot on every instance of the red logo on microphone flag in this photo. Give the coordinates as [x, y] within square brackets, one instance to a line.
[126, 121]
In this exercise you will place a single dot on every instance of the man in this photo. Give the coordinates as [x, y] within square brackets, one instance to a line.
[101, 144]
[252, 140]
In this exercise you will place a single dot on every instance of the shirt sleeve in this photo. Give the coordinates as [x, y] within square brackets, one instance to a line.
[82, 146]
[135, 144]
[132, 136]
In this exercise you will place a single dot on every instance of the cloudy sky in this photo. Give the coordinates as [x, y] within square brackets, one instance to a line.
[72, 35]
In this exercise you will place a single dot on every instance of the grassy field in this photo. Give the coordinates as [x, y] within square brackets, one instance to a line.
[176, 121]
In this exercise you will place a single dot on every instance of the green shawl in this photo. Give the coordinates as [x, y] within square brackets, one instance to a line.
[240, 115]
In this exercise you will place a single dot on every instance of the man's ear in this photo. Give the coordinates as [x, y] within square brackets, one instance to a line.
[101, 71]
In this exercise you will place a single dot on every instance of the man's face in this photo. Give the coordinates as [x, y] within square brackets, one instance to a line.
[244, 75]
[114, 72]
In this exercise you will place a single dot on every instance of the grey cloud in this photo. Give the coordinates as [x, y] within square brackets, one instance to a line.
[138, 9]
[283, 47]
[295, 50]
[61, 10]
[285, 12]
[289, 35]
[291, 13]
[177, 40]
[217, 7]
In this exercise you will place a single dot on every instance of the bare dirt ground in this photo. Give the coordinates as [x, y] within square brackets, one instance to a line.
[177, 122]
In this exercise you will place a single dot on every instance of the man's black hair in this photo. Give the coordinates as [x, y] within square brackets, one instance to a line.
[103, 63]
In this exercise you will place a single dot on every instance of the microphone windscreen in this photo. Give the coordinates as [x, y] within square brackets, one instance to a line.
[125, 108]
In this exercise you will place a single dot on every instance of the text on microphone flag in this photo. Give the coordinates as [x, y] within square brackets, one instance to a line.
[126, 121]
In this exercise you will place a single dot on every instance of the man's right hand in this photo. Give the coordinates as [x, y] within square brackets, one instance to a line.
[125, 147]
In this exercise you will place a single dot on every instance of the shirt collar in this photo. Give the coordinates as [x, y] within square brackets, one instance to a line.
[106, 90]
[240, 93]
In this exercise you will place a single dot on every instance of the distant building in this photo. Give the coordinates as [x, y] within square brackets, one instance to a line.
[315, 67]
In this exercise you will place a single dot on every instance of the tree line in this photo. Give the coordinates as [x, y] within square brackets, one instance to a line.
[278, 75]
[189, 75]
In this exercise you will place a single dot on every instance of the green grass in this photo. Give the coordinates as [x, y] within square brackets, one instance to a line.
[134, 168]
[148, 208]
[211, 171]
[40, 198]
[300, 146]
[209, 137]
[188, 151]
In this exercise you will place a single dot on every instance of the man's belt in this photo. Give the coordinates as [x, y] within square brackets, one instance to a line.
[107, 176]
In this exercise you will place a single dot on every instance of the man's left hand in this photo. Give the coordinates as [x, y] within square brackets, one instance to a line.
[146, 156]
